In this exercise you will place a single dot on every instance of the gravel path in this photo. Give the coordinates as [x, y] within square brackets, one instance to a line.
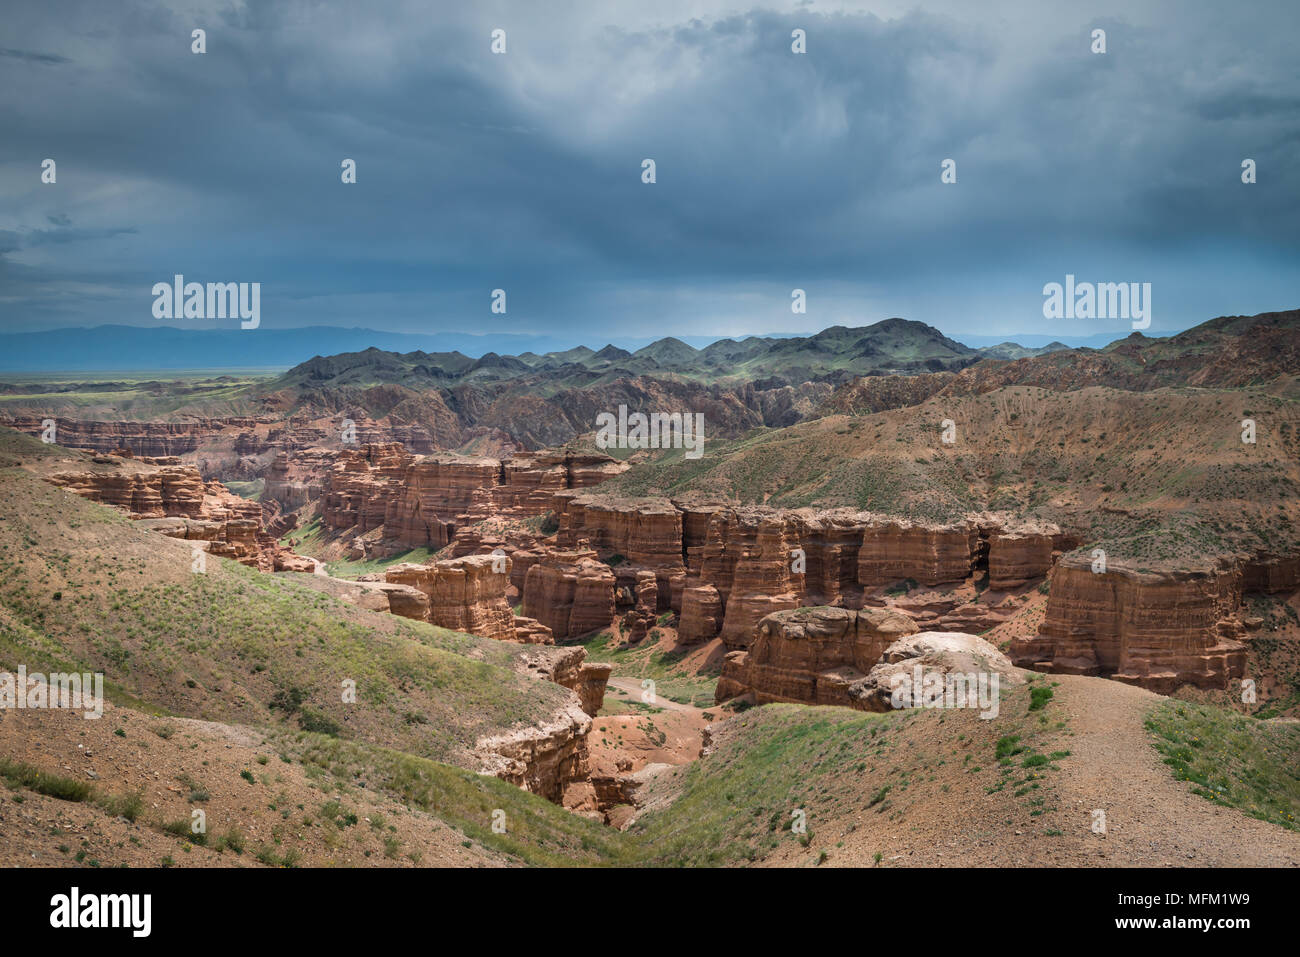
[1152, 819]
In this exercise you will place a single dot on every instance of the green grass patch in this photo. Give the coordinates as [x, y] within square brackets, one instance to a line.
[1230, 759]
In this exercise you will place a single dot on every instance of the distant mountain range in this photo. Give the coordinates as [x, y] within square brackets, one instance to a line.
[450, 400]
[143, 349]
[835, 354]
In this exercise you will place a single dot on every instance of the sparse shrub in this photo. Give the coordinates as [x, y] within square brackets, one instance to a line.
[318, 722]
[129, 806]
[25, 775]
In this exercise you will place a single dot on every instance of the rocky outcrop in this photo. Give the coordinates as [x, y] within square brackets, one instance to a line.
[530, 480]
[240, 435]
[165, 492]
[569, 667]
[696, 517]
[430, 494]
[633, 533]
[759, 560]
[1270, 574]
[423, 502]
[701, 617]
[294, 480]
[358, 490]
[408, 601]
[832, 542]
[750, 559]
[569, 592]
[544, 759]
[591, 684]
[1017, 558]
[530, 631]
[175, 501]
[937, 669]
[552, 755]
[1155, 628]
[464, 594]
[811, 655]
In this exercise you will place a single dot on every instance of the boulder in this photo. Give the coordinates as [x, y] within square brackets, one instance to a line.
[936, 669]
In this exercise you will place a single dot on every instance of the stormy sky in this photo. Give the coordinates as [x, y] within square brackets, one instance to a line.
[523, 171]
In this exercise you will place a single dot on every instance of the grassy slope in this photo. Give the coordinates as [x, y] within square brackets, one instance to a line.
[81, 586]
[857, 777]
[1232, 760]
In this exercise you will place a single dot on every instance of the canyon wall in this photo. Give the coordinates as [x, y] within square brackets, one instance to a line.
[153, 439]
[421, 502]
[569, 592]
[648, 536]
[930, 555]
[240, 434]
[1154, 628]
[724, 568]
[175, 500]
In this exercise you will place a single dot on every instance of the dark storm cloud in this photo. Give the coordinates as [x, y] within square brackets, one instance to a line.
[522, 171]
[49, 58]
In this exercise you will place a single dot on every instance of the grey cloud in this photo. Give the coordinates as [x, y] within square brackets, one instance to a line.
[47, 58]
[774, 170]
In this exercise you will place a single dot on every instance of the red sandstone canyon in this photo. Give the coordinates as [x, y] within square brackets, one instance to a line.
[604, 624]
[852, 436]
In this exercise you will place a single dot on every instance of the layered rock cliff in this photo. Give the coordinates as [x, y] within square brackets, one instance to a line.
[1155, 628]
[464, 594]
[175, 501]
[811, 655]
[544, 759]
[421, 502]
[930, 555]
[647, 535]
[569, 592]
[739, 564]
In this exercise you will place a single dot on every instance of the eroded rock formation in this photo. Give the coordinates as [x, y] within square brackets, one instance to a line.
[1153, 628]
[422, 502]
[811, 655]
[175, 500]
[930, 555]
[569, 592]
[569, 667]
[544, 759]
[464, 594]
[636, 534]
[937, 669]
[701, 617]
[758, 560]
